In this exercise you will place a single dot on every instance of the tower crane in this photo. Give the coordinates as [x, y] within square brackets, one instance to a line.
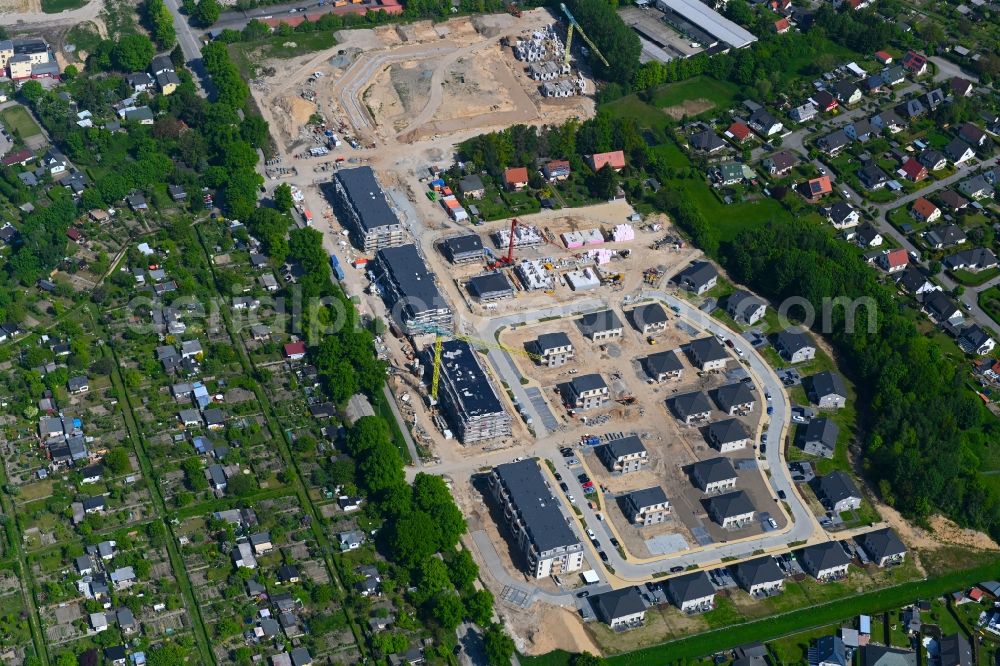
[441, 334]
[574, 26]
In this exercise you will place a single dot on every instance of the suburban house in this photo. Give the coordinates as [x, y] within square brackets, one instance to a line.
[587, 392]
[759, 577]
[738, 132]
[735, 398]
[977, 187]
[955, 650]
[867, 235]
[556, 170]
[691, 407]
[781, 163]
[833, 143]
[952, 199]
[620, 609]
[714, 475]
[615, 159]
[945, 235]
[804, 113]
[819, 437]
[471, 186]
[649, 318]
[915, 63]
[941, 308]
[934, 160]
[697, 277]
[893, 261]
[781, 26]
[600, 326]
[913, 170]
[555, 349]
[859, 130]
[745, 308]
[691, 593]
[882, 546]
[707, 354]
[972, 135]
[623, 455]
[837, 492]
[960, 87]
[972, 339]
[825, 561]
[794, 346]
[728, 435]
[828, 651]
[817, 188]
[958, 151]
[647, 506]
[663, 365]
[915, 282]
[924, 211]
[764, 123]
[974, 260]
[732, 510]
[295, 351]
[515, 178]
[707, 141]
[848, 93]
[825, 101]
[827, 390]
[872, 176]
[878, 655]
[843, 215]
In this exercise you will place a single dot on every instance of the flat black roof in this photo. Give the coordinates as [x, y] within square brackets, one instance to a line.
[366, 197]
[539, 510]
[414, 282]
[463, 370]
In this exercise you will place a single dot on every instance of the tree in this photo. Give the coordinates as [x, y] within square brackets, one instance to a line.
[448, 610]
[207, 12]
[604, 184]
[586, 659]
[117, 461]
[132, 53]
[462, 569]
[167, 654]
[70, 73]
[241, 485]
[412, 539]
[66, 659]
[283, 198]
[498, 646]
[479, 607]
[381, 467]
[161, 23]
[32, 91]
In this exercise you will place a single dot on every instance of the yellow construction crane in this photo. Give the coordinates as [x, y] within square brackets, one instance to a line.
[574, 26]
[441, 334]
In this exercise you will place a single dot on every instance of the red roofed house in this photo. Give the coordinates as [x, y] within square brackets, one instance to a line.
[819, 187]
[924, 210]
[883, 58]
[21, 157]
[914, 170]
[295, 351]
[74, 234]
[738, 132]
[975, 594]
[390, 6]
[515, 178]
[915, 63]
[556, 170]
[894, 261]
[781, 26]
[615, 158]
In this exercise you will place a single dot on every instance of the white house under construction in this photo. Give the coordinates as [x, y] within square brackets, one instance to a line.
[533, 517]
[466, 396]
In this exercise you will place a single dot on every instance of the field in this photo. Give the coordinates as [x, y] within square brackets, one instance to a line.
[719, 94]
[19, 122]
[281, 46]
[729, 219]
[56, 6]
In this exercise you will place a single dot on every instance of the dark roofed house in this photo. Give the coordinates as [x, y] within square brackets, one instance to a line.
[834, 142]
[735, 398]
[827, 389]
[825, 561]
[972, 135]
[587, 391]
[663, 365]
[714, 475]
[952, 199]
[745, 308]
[707, 354]
[555, 349]
[781, 163]
[647, 506]
[954, 650]
[463, 249]
[958, 151]
[620, 609]
[974, 260]
[879, 655]
[944, 236]
[698, 277]
[707, 141]
[472, 186]
[795, 346]
[623, 455]
[828, 651]
[883, 546]
[731, 510]
[691, 407]
[728, 435]
[649, 318]
[490, 287]
[760, 577]
[941, 308]
[819, 437]
[973, 339]
[872, 176]
[603, 325]
[692, 593]
[837, 492]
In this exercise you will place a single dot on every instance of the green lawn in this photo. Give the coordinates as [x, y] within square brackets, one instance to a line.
[730, 219]
[971, 279]
[721, 93]
[989, 300]
[19, 122]
[274, 47]
[645, 115]
[56, 6]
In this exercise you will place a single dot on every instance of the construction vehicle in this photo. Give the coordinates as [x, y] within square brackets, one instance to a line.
[441, 334]
[574, 26]
[507, 259]
[513, 10]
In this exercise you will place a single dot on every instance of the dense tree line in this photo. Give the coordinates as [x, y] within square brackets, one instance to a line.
[923, 427]
[160, 22]
[618, 42]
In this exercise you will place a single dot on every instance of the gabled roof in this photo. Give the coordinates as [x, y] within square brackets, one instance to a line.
[939, 305]
[913, 169]
[792, 341]
[952, 199]
[955, 650]
[828, 650]
[912, 279]
[878, 655]
[819, 186]
[515, 175]
[615, 158]
[896, 258]
[698, 273]
[957, 149]
[739, 131]
[689, 587]
[840, 212]
[946, 235]
[618, 603]
[924, 208]
[707, 140]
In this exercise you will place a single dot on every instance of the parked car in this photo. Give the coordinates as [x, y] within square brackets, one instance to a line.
[603, 556]
[614, 542]
[558, 476]
[781, 494]
[590, 533]
[583, 478]
[564, 487]
[583, 595]
[676, 569]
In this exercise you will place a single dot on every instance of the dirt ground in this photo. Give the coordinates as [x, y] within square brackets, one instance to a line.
[689, 107]
[943, 532]
[20, 6]
[543, 628]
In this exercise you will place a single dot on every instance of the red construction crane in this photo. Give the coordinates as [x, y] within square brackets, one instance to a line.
[508, 259]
